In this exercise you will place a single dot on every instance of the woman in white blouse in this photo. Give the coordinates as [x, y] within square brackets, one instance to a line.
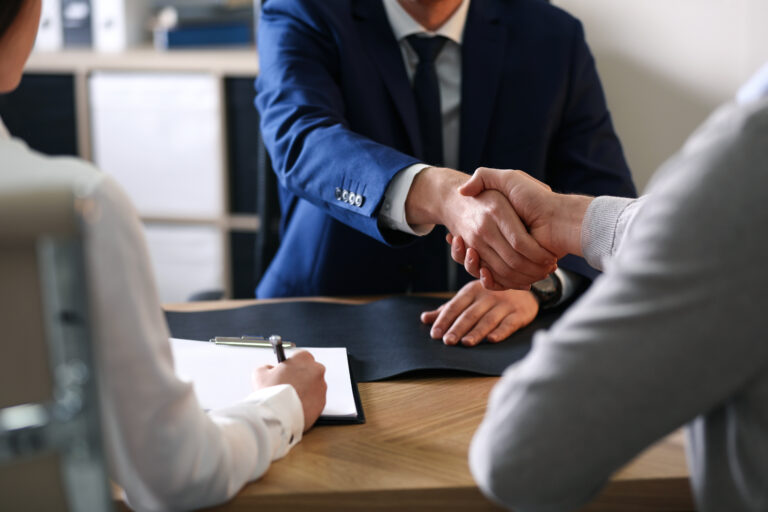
[163, 449]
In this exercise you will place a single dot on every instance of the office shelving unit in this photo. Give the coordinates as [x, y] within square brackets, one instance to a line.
[226, 67]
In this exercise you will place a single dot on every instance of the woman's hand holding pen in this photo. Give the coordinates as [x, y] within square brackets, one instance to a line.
[307, 377]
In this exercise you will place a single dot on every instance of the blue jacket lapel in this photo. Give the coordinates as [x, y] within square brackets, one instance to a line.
[379, 41]
[483, 57]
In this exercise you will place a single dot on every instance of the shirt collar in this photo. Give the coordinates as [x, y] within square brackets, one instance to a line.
[4, 131]
[756, 88]
[403, 25]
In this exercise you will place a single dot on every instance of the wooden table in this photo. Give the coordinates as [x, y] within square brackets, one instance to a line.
[412, 455]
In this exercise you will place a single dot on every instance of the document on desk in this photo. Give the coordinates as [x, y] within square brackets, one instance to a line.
[222, 375]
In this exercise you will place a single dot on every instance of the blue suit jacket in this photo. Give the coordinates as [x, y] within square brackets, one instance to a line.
[338, 113]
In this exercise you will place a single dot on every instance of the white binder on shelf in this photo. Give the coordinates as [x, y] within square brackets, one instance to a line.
[76, 20]
[50, 36]
[119, 24]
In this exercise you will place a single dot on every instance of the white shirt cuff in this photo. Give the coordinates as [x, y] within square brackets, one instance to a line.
[279, 407]
[392, 212]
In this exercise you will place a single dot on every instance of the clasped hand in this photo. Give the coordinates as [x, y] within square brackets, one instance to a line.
[488, 223]
[485, 220]
[552, 220]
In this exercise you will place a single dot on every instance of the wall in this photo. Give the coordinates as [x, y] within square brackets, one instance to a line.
[666, 64]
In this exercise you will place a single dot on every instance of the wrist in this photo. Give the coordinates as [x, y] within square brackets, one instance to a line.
[569, 211]
[429, 199]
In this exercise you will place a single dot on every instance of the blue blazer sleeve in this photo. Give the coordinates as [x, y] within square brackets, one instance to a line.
[303, 120]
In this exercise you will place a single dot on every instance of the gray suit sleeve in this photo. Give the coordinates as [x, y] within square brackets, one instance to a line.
[665, 334]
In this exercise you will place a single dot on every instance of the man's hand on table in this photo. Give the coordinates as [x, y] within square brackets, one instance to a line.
[475, 314]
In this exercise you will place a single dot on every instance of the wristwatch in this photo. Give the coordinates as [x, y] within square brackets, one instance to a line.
[548, 291]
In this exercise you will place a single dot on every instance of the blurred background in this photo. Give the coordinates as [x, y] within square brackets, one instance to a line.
[159, 93]
[666, 64]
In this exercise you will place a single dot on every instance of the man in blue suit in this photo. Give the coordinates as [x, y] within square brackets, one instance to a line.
[369, 160]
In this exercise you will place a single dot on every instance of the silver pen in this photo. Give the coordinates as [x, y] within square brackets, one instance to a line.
[248, 341]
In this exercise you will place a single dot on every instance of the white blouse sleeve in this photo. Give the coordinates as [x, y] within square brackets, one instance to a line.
[165, 451]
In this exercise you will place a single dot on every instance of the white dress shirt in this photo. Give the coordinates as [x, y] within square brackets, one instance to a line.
[163, 449]
[448, 68]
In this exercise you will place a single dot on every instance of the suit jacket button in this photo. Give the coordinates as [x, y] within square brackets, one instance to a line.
[338, 194]
[359, 200]
[352, 197]
[345, 195]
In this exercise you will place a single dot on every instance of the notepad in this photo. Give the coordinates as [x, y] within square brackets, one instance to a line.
[222, 375]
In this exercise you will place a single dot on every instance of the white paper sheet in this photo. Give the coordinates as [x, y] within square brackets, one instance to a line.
[222, 375]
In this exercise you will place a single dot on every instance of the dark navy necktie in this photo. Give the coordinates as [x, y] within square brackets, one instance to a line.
[426, 89]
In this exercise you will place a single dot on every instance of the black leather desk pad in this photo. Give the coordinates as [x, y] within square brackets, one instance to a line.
[384, 338]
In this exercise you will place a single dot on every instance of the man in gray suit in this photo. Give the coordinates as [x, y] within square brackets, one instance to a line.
[672, 334]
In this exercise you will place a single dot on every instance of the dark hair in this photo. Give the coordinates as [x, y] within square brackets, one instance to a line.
[9, 9]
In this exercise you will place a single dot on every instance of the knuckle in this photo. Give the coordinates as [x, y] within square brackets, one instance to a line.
[451, 309]
[468, 319]
[441, 322]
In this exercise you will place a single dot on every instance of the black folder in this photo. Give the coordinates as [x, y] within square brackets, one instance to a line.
[384, 338]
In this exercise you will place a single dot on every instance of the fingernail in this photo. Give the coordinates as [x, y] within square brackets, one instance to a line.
[468, 340]
[437, 333]
[450, 339]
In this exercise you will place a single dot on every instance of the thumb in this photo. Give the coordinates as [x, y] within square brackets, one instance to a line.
[482, 179]
[474, 185]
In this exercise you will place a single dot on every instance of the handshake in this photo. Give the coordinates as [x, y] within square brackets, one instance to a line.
[507, 228]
